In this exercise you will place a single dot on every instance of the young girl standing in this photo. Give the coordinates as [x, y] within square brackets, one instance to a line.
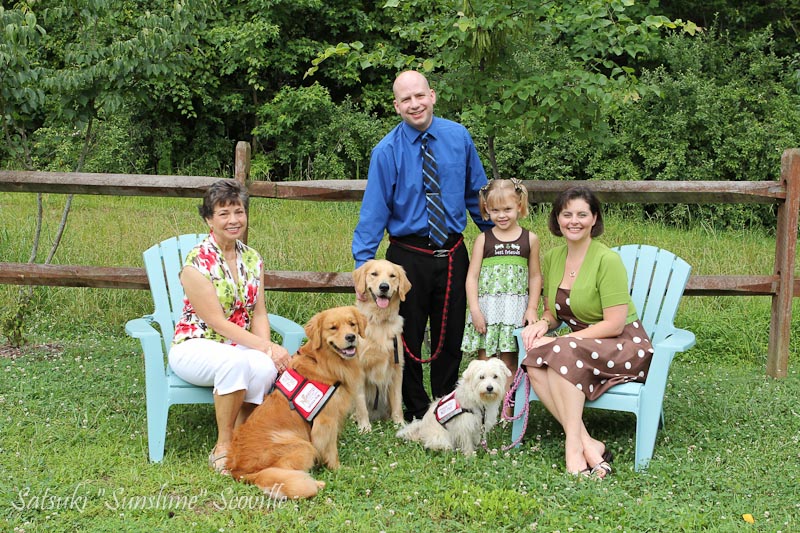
[504, 280]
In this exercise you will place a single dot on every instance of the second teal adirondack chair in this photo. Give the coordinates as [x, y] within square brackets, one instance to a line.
[656, 280]
[163, 388]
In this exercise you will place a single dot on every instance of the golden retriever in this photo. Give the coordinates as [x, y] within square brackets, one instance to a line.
[384, 285]
[276, 447]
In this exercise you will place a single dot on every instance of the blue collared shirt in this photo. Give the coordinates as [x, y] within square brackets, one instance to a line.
[394, 199]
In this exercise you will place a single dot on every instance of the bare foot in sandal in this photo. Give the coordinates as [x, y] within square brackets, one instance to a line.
[218, 460]
[602, 470]
[595, 452]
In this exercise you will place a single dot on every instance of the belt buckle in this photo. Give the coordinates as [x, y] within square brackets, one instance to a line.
[441, 253]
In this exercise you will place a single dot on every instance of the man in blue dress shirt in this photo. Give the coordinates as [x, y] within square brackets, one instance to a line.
[395, 201]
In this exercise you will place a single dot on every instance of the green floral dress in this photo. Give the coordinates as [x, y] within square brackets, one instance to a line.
[237, 300]
[502, 295]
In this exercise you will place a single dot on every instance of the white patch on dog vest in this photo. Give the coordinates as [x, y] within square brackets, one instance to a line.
[448, 408]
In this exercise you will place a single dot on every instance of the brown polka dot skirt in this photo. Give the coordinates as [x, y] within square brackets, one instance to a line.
[594, 365]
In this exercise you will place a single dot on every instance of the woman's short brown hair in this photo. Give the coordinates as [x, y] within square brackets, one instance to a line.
[221, 193]
[579, 192]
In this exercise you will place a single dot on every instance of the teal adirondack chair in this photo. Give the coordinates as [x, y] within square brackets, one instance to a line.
[656, 280]
[163, 388]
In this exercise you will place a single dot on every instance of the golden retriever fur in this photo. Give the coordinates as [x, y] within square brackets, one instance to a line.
[275, 448]
[384, 285]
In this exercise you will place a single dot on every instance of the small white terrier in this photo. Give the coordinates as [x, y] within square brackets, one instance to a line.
[460, 420]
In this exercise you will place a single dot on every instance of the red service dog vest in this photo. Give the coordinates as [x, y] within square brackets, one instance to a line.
[448, 408]
[305, 396]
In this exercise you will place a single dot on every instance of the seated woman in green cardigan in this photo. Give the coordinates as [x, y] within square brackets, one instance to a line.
[586, 287]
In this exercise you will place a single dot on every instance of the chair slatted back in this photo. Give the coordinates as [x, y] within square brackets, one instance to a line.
[656, 279]
[163, 262]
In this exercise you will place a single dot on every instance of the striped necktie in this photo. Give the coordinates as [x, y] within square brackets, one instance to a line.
[437, 228]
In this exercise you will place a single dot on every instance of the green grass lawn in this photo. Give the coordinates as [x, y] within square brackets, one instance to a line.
[73, 448]
[75, 458]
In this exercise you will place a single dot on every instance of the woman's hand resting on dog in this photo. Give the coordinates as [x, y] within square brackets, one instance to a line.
[279, 355]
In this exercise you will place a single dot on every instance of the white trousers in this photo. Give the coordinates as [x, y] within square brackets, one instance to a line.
[228, 368]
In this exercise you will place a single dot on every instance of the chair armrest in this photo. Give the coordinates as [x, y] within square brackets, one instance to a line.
[520, 348]
[663, 354]
[677, 341]
[141, 328]
[291, 332]
[153, 348]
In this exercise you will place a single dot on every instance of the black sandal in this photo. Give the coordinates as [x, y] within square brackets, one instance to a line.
[603, 466]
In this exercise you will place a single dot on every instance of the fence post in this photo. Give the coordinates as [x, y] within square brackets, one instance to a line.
[785, 249]
[241, 171]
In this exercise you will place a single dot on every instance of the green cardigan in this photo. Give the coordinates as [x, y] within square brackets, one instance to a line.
[601, 282]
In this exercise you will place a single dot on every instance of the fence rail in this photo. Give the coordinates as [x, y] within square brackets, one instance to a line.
[780, 284]
[642, 192]
[331, 282]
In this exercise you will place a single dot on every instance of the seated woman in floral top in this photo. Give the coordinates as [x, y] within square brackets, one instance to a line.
[223, 336]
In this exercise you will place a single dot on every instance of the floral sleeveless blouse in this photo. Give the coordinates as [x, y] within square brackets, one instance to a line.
[237, 301]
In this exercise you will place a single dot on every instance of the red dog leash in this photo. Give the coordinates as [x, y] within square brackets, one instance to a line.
[435, 253]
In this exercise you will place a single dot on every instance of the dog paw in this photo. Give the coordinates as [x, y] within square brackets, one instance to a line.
[365, 428]
[331, 462]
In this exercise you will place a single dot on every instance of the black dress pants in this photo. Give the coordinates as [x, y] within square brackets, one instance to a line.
[425, 301]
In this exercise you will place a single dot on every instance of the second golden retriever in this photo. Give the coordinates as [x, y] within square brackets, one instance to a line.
[383, 285]
[277, 446]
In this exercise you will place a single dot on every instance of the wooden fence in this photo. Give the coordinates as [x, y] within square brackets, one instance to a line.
[781, 285]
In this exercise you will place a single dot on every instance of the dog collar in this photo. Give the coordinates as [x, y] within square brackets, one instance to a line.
[305, 396]
[448, 408]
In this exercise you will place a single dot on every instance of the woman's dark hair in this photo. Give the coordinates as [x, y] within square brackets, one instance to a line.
[221, 193]
[573, 193]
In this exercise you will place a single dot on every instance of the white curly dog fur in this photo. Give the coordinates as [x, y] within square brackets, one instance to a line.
[480, 393]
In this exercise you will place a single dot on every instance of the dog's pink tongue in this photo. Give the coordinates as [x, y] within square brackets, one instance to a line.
[349, 351]
[382, 302]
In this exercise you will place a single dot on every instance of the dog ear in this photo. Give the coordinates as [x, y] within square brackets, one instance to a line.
[405, 285]
[313, 332]
[362, 322]
[360, 278]
[502, 369]
[472, 369]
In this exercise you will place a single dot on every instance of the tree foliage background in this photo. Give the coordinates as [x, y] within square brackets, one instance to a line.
[573, 89]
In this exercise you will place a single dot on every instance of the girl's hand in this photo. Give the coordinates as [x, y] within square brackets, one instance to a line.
[478, 321]
[530, 316]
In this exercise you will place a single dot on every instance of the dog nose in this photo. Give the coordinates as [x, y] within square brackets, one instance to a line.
[489, 388]
[383, 287]
[350, 337]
